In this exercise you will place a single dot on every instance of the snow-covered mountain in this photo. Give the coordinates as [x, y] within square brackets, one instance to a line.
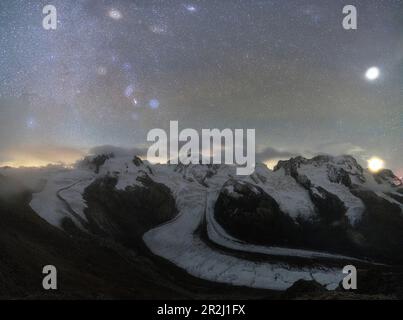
[306, 219]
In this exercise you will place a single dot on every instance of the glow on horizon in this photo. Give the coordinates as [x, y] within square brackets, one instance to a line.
[34, 164]
[42, 156]
[375, 164]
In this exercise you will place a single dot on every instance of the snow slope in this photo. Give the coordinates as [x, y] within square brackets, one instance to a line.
[195, 189]
[178, 242]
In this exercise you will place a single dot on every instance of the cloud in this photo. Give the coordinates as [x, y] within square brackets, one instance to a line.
[42, 155]
[271, 156]
[340, 148]
[118, 151]
[269, 153]
[39, 155]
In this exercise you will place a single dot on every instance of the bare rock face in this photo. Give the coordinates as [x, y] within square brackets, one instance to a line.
[96, 162]
[329, 206]
[338, 169]
[381, 226]
[387, 176]
[90, 268]
[250, 214]
[304, 288]
[137, 161]
[350, 218]
[127, 214]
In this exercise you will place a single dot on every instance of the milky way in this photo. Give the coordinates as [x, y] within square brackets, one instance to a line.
[113, 70]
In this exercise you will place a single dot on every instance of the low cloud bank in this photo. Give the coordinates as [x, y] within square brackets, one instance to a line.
[40, 155]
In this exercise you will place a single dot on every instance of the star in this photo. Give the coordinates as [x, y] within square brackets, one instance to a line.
[190, 8]
[158, 29]
[287, 69]
[115, 14]
[101, 70]
[154, 104]
[129, 90]
[31, 123]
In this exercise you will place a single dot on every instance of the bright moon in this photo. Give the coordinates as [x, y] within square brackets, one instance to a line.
[375, 164]
[372, 73]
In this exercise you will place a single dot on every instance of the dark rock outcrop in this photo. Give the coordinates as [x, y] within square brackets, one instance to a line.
[250, 214]
[381, 227]
[137, 161]
[387, 176]
[304, 288]
[330, 208]
[87, 268]
[126, 214]
[96, 162]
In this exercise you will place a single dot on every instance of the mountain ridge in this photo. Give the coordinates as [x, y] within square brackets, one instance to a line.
[302, 220]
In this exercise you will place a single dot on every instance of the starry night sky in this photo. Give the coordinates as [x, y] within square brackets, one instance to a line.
[113, 70]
